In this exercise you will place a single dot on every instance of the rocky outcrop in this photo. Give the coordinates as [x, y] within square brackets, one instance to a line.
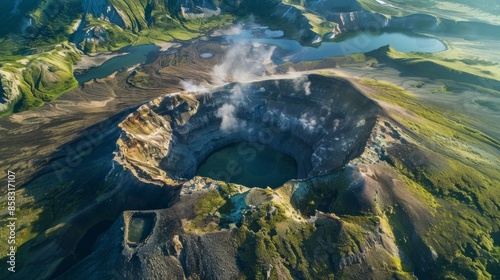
[294, 16]
[358, 20]
[103, 10]
[198, 8]
[9, 91]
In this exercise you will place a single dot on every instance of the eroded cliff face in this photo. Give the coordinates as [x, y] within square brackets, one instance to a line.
[319, 121]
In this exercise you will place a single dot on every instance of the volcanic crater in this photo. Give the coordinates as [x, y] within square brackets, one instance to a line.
[321, 122]
[208, 227]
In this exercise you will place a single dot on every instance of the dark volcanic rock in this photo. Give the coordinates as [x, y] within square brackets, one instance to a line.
[167, 253]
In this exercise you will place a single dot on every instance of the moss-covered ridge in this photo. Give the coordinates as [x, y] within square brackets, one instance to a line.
[38, 78]
[454, 164]
[451, 64]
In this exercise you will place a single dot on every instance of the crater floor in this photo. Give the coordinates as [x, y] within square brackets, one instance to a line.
[249, 164]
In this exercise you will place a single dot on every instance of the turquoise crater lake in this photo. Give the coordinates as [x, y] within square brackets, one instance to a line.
[249, 164]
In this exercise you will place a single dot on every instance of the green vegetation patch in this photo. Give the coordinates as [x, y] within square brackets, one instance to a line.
[51, 21]
[449, 65]
[463, 10]
[40, 78]
[456, 169]
[206, 212]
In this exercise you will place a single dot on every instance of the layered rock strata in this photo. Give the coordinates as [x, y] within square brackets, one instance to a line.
[321, 122]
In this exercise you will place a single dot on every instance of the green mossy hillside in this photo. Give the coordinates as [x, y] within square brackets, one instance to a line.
[52, 22]
[39, 78]
[450, 65]
[451, 161]
[145, 22]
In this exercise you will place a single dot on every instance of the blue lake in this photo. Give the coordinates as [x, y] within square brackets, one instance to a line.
[134, 55]
[355, 42]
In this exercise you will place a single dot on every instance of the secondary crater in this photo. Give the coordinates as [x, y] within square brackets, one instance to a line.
[307, 126]
[139, 228]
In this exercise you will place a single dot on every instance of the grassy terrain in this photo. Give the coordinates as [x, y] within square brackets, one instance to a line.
[460, 173]
[480, 11]
[319, 24]
[136, 13]
[453, 65]
[42, 77]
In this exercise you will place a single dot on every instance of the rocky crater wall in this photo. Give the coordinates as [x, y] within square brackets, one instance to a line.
[321, 122]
